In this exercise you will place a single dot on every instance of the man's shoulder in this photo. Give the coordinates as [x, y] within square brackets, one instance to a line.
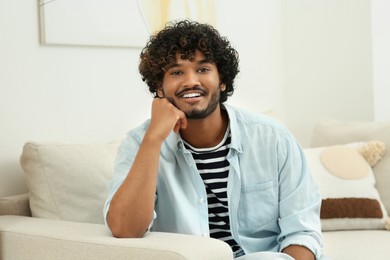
[247, 117]
[250, 127]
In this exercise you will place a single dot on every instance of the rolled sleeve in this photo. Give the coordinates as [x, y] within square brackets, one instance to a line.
[126, 154]
[300, 201]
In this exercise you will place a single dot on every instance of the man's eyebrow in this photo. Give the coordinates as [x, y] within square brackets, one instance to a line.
[174, 65]
[201, 62]
[206, 61]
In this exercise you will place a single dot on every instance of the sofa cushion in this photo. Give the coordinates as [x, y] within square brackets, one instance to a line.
[347, 185]
[332, 132]
[356, 244]
[15, 205]
[68, 181]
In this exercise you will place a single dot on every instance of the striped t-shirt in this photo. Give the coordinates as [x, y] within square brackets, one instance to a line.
[213, 167]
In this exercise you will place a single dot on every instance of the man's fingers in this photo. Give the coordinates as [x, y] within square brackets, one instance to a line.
[180, 124]
[176, 128]
[183, 121]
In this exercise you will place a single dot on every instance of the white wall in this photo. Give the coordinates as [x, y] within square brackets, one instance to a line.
[255, 29]
[327, 57]
[381, 58]
[83, 94]
[60, 94]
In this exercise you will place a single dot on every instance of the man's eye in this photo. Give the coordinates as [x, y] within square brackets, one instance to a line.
[176, 72]
[203, 69]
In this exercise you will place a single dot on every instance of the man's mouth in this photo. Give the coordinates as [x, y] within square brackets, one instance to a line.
[194, 92]
[191, 95]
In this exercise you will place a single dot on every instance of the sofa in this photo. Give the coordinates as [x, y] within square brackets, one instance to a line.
[61, 216]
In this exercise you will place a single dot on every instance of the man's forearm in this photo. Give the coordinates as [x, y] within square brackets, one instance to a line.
[132, 206]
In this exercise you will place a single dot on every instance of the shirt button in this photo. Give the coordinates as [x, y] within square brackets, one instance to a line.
[201, 200]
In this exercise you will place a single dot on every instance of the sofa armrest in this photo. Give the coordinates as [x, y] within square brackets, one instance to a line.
[15, 205]
[36, 238]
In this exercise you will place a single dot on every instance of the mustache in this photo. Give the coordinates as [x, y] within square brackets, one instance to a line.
[195, 88]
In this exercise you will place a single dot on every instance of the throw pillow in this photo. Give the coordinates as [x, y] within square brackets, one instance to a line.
[332, 132]
[68, 181]
[347, 185]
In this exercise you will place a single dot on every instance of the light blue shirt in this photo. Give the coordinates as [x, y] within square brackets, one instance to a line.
[273, 200]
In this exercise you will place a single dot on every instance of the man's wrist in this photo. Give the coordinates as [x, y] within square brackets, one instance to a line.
[152, 140]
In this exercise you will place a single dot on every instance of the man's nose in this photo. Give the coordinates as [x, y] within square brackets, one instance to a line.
[191, 79]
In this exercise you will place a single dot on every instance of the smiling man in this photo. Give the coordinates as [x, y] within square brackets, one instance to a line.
[201, 167]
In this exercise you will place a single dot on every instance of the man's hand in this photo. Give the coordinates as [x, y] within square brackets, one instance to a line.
[299, 252]
[165, 118]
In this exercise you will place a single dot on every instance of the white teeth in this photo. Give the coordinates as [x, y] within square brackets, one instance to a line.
[191, 95]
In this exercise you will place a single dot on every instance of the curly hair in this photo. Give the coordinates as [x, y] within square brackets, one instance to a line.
[185, 37]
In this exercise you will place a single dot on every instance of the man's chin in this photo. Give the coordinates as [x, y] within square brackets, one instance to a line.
[194, 112]
[195, 116]
[198, 114]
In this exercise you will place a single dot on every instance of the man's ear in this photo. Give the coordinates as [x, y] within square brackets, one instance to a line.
[160, 92]
[222, 87]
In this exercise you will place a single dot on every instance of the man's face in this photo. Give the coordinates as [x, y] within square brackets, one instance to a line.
[192, 86]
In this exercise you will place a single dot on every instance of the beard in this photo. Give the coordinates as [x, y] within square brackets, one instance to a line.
[201, 113]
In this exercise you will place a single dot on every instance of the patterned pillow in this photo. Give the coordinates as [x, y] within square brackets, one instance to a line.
[346, 181]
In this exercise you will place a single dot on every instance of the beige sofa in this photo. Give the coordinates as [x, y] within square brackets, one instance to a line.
[67, 187]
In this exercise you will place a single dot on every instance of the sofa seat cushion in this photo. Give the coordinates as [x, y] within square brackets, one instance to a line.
[68, 181]
[357, 244]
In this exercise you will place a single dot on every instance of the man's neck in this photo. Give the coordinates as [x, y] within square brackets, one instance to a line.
[206, 132]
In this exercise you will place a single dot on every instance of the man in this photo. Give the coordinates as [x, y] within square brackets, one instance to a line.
[201, 167]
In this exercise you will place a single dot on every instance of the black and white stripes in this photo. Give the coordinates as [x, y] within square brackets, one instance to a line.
[214, 170]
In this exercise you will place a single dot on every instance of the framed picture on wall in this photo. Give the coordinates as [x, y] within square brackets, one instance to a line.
[115, 23]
